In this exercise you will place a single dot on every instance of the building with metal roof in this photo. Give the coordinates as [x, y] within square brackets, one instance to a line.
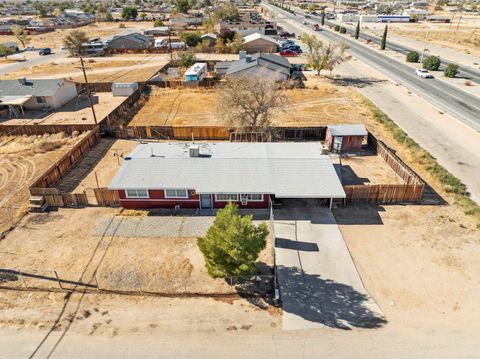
[345, 137]
[261, 64]
[209, 175]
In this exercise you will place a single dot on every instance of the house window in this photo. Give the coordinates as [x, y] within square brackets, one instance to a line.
[137, 193]
[41, 99]
[255, 197]
[176, 193]
[226, 197]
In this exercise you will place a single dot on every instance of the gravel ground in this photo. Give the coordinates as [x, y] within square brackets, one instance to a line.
[160, 226]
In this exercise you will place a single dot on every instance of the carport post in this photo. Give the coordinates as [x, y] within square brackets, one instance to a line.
[331, 201]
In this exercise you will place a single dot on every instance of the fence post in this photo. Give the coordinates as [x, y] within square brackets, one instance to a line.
[23, 280]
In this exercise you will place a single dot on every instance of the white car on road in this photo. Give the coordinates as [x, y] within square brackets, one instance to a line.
[424, 74]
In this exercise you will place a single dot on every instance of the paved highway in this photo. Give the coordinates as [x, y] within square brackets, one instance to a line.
[445, 97]
[465, 71]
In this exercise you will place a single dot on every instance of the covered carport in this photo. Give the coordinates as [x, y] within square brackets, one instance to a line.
[15, 104]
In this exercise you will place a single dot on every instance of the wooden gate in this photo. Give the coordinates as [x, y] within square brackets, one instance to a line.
[106, 197]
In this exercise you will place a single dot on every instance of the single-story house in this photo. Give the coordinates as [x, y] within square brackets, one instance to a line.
[257, 42]
[211, 38]
[345, 137]
[36, 94]
[260, 64]
[157, 31]
[12, 45]
[209, 175]
[134, 41]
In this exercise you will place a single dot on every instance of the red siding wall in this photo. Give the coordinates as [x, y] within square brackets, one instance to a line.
[349, 143]
[157, 200]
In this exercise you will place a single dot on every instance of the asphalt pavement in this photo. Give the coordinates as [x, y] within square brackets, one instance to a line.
[447, 98]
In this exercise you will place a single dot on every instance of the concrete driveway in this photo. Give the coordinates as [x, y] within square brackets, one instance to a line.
[319, 283]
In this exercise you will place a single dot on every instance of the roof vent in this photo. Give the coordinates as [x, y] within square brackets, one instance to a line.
[22, 80]
[194, 151]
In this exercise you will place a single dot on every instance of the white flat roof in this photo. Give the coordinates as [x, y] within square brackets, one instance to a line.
[348, 130]
[287, 170]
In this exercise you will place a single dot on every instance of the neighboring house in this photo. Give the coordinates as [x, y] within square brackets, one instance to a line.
[134, 41]
[257, 42]
[345, 137]
[26, 94]
[158, 31]
[6, 29]
[210, 175]
[211, 38]
[265, 65]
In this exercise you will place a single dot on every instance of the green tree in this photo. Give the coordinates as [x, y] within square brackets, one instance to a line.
[357, 30]
[431, 63]
[108, 17]
[342, 30]
[232, 245]
[384, 38]
[5, 50]
[157, 23]
[190, 38]
[20, 34]
[413, 56]
[323, 20]
[74, 41]
[323, 56]
[183, 5]
[129, 12]
[451, 70]
[237, 44]
[143, 16]
[186, 59]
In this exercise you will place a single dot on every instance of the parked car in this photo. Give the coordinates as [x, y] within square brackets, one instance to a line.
[304, 23]
[294, 48]
[30, 48]
[288, 53]
[424, 74]
[316, 27]
[45, 51]
[307, 16]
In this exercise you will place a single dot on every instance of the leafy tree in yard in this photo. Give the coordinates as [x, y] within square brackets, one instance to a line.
[73, 42]
[5, 50]
[413, 56]
[186, 58]
[129, 12]
[108, 17]
[20, 34]
[236, 45]
[451, 70]
[183, 5]
[157, 23]
[431, 63]
[190, 38]
[384, 38]
[232, 245]
[247, 102]
[143, 16]
[357, 30]
[322, 56]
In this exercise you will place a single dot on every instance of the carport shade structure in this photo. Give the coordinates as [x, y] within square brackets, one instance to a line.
[209, 175]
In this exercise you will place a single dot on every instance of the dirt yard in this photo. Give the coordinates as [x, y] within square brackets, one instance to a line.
[320, 105]
[77, 111]
[22, 160]
[140, 263]
[120, 68]
[101, 29]
[419, 262]
[366, 168]
[466, 39]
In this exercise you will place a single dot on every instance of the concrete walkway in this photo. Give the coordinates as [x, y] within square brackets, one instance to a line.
[319, 283]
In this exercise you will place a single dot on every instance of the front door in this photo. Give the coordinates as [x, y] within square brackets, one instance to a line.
[205, 201]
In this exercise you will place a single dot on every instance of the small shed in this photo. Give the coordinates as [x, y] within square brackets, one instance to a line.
[345, 137]
[124, 88]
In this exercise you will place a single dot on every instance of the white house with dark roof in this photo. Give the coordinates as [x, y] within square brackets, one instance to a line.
[209, 175]
[39, 94]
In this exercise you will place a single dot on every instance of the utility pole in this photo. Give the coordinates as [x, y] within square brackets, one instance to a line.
[170, 44]
[88, 90]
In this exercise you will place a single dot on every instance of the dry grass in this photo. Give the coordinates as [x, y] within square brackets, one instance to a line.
[321, 105]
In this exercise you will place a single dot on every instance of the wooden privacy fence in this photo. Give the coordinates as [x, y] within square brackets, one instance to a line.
[218, 133]
[29, 130]
[57, 170]
[393, 161]
[411, 191]
[101, 197]
[384, 193]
